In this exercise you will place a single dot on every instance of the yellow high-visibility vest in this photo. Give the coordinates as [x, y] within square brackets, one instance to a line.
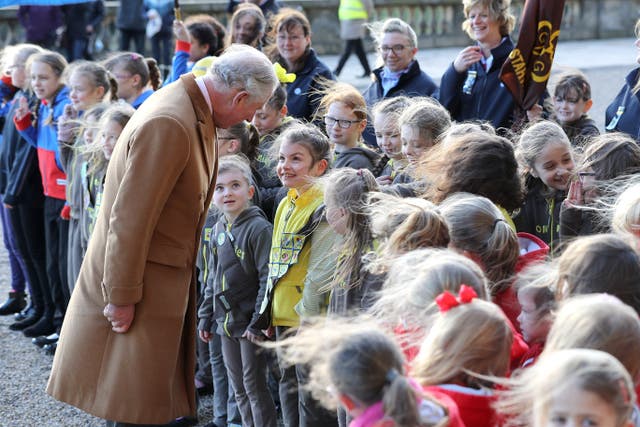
[351, 9]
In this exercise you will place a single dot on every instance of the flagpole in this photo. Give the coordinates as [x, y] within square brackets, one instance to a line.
[176, 10]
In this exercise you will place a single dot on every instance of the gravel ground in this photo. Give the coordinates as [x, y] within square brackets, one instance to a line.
[24, 370]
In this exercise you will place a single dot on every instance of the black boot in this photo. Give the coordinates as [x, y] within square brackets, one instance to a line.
[44, 326]
[13, 304]
[29, 319]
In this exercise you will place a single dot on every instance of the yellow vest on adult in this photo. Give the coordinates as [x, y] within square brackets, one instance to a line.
[351, 10]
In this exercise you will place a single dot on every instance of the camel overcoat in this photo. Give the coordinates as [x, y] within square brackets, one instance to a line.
[158, 187]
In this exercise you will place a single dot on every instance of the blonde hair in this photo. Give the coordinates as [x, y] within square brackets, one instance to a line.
[119, 113]
[349, 189]
[428, 116]
[532, 142]
[414, 281]
[477, 225]
[237, 163]
[499, 10]
[538, 280]
[406, 224]
[527, 395]
[603, 263]
[353, 357]
[598, 322]
[454, 351]
[626, 211]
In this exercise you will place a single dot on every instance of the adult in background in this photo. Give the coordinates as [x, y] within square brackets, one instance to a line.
[400, 74]
[160, 31]
[127, 346]
[471, 88]
[291, 31]
[82, 21]
[353, 14]
[623, 114]
[40, 24]
[268, 7]
[132, 23]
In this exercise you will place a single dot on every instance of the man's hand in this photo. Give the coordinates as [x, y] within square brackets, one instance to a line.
[120, 316]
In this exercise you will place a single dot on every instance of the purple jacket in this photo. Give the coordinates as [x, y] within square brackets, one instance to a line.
[40, 23]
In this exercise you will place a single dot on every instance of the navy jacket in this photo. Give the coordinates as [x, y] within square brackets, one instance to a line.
[22, 183]
[486, 97]
[301, 100]
[414, 82]
[629, 121]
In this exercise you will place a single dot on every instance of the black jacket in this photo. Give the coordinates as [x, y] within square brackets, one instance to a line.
[19, 171]
[629, 121]
[483, 97]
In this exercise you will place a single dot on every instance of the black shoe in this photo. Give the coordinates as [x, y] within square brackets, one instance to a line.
[26, 322]
[211, 424]
[44, 326]
[42, 340]
[29, 311]
[50, 349]
[184, 422]
[13, 304]
[205, 390]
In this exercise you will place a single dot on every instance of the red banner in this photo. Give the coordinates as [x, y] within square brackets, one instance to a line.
[526, 71]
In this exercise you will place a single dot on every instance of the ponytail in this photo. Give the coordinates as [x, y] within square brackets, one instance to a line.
[399, 401]
[113, 92]
[154, 73]
[500, 255]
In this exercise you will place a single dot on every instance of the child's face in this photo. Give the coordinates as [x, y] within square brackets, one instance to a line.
[337, 134]
[232, 193]
[577, 407]
[128, 84]
[388, 135]
[337, 216]
[296, 167]
[44, 81]
[244, 31]
[197, 51]
[266, 119]
[82, 93]
[533, 324]
[90, 129]
[570, 108]
[554, 165]
[413, 144]
[18, 72]
[109, 134]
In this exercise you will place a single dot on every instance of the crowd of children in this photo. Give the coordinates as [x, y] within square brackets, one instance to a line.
[448, 276]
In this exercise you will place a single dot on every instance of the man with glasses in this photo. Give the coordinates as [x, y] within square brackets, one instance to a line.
[401, 73]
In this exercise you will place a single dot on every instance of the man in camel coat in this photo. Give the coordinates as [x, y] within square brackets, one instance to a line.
[127, 347]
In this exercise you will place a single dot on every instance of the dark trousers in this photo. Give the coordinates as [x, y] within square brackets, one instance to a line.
[138, 37]
[312, 414]
[246, 370]
[287, 387]
[350, 46]
[161, 48]
[56, 237]
[16, 263]
[28, 227]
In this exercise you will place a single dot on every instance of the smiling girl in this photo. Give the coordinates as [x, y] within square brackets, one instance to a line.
[302, 260]
[546, 158]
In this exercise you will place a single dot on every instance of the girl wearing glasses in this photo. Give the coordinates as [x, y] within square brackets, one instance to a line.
[133, 74]
[345, 117]
[291, 31]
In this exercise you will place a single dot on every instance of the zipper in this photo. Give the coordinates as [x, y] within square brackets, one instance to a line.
[225, 324]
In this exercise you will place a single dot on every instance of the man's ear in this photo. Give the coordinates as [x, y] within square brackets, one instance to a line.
[240, 97]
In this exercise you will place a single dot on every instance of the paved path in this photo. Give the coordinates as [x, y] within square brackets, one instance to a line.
[24, 369]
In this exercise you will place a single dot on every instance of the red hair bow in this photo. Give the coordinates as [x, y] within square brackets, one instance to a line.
[446, 300]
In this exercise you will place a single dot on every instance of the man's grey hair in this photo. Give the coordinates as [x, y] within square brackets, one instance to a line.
[392, 25]
[245, 68]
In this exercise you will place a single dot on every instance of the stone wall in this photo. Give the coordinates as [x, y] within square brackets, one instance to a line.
[437, 22]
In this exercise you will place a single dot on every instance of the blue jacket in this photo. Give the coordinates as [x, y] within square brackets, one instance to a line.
[301, 100]
[180, 63]
[414, 82]
[629, 121]
[486, 97]
[19, 164]
[44, 138]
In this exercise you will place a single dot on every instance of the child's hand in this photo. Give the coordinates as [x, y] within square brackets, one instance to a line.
[384, 180]
[575, 196]
[535, 113]
[23, 108]
[180, 31]
[67, 125]
[269, 333]
[254, 338]
[466, 58]
[205, 335]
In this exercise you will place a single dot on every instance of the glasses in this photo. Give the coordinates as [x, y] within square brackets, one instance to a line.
[397, 49]
[583, 175]
[122, 76]
[344, 124]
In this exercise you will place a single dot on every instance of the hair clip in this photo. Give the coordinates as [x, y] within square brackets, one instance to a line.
[391, 375]
[135, 56]
[281, 73]
[446, 300]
